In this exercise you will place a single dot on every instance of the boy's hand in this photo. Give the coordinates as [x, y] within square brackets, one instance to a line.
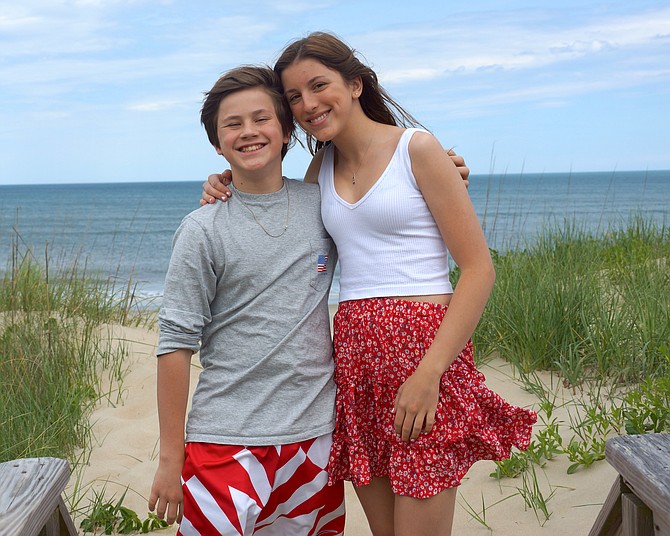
[166, 495]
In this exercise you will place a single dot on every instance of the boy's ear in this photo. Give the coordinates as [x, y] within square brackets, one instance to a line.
[218, 150]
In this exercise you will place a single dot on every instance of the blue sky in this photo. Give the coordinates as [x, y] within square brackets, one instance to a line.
[110, 90]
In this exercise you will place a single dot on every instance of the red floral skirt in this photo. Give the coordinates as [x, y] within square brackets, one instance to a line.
[378, 344]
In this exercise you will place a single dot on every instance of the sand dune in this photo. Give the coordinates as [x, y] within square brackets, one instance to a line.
[125, 455]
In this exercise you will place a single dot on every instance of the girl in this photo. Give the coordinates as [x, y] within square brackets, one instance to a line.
[412, 411]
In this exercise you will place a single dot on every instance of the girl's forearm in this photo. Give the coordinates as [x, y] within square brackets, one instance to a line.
[465, 310]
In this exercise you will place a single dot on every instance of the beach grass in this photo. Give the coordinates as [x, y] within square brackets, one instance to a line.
[587, 306]
[592, 311]
[55, 351]
[587, 313]
[591, 308]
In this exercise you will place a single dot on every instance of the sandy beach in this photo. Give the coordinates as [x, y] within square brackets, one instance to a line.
[125, 455]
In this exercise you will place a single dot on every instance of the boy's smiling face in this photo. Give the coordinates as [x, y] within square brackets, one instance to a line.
[249, 131]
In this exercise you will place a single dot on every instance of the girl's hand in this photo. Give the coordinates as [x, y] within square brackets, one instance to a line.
[459, 162]
[216, 187]
[416, 403]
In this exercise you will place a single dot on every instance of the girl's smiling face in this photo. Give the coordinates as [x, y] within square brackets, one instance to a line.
[320, 99]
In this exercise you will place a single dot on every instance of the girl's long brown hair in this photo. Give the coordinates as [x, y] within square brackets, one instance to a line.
[332, 52]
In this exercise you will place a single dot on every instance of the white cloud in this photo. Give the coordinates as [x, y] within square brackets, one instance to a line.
[477, 102]
[147, 62]
[156, 106]
[507, 41]
[300, 6]
[50, 116]
[8, 24]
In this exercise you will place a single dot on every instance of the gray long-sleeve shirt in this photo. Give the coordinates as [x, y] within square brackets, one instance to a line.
[256, 307]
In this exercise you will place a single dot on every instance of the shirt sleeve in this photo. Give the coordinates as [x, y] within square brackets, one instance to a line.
[190, 287]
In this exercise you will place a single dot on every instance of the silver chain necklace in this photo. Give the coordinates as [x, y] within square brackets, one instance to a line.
[288, 209]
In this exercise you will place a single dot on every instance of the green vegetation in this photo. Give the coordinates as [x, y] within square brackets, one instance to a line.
[587, 307]
[54, 351]
[56, 355]
[108, 517]
[594, 311]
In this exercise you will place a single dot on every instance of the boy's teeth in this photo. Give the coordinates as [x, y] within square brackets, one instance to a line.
[317, 119]
[251, 148]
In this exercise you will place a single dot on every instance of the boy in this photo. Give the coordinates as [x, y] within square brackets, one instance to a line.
[247, 286]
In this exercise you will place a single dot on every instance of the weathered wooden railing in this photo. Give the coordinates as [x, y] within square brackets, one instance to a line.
[639, 502]
[31, 503]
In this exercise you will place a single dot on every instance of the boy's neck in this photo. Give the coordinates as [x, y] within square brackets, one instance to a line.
[260, 182]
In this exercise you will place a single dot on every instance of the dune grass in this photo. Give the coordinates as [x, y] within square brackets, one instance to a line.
[584, 305]
[58, 361]
[593, 309]
[54, 353]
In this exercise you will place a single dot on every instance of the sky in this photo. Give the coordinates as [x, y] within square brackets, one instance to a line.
[110, 90]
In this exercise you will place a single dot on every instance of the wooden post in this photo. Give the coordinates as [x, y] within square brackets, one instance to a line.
[608, 522]
[637, 519]
[639, 502]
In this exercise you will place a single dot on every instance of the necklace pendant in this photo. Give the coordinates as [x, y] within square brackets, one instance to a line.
[353, 179]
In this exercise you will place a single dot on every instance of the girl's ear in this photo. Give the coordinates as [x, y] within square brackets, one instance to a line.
[357, 86]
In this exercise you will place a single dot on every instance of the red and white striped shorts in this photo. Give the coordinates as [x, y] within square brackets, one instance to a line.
[266, 491]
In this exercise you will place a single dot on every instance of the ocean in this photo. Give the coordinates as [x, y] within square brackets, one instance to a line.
[125, 230]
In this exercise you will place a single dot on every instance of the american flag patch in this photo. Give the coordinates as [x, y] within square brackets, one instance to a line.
[322, 263]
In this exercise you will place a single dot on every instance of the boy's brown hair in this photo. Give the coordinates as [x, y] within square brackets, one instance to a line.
[246, 77]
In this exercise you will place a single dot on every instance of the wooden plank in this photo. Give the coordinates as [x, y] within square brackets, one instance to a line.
[662, 526]
[608, 522]
[66, 523]
[644, 463]
[30, 495]
[637, 518]
[52, 526]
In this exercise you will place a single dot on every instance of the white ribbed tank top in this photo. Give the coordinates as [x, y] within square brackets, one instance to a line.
[388, 242]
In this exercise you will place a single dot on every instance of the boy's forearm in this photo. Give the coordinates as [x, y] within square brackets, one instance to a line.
[173, 387]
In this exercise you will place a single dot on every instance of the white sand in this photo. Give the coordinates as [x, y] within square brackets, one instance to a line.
[126, 455]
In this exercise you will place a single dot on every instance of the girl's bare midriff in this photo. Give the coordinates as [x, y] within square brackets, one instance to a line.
[443, 299]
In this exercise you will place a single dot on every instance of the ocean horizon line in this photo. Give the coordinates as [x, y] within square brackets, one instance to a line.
[473, 175]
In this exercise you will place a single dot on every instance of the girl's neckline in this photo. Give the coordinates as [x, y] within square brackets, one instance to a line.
[373, 186]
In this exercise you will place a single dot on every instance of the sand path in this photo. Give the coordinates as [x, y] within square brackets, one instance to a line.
[125, 455]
